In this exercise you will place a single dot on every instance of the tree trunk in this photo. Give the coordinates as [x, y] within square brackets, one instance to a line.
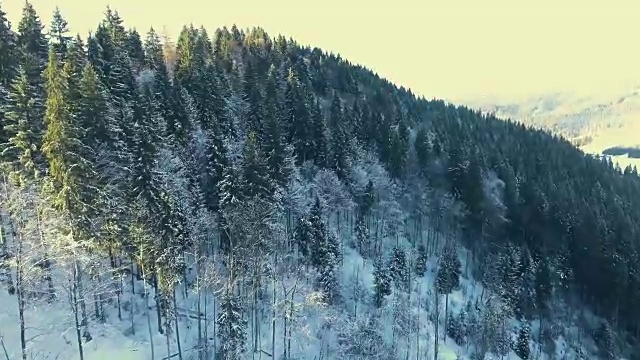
[47, 261]
[177, 325]
[446, 317]
[273, 318]
[83, 305]
[146, 299]
[20, 295]
[74, 295]
[436, 321]
[158, 303]
[290, 327]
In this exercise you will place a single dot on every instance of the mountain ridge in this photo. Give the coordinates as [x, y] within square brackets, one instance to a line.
[210, 198]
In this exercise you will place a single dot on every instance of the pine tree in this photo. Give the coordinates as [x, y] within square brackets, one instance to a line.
[58, 34]
[399, 145]
[605, 340]
[448, 276]
[73, 61]
[273, 142]
[362, 235]
[398, 268]
[255, 172]
[21, 128]
[93, 109]
[421, 261]
[8, 52]
[324, 248]
[297, 118]
[303, 235]
[522, 343]
[134, 49]
[230, 195]
[33, 52]
[232, 330]
[328, 281]
[319, 150]
[168, 96]
[73, 174]
[339, 141]
[454, 328]
[8, 69]
[32, 41]
[382, 282]
[367, 199]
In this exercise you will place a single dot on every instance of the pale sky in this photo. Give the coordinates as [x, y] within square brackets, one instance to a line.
[450, 49]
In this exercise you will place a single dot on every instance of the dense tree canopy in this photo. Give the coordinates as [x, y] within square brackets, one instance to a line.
[112, 122]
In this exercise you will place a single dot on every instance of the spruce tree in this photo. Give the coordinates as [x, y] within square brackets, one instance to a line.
[605, 340]
[32, 41]
[273, 137]
[339, 141]
[382, 282]
[21, 126]
[522, 348]
[232, 329]
[72, 173]
[362, 235]
[33, 52]
[398, 268]
[255, 172]
[8, 69]
[58, 34]
[303, 235]
[448, 276]
[421, 261]
[93, 110]
[8, 52]
[319, 150]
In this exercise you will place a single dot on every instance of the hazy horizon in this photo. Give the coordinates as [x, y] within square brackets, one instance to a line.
[456, 50]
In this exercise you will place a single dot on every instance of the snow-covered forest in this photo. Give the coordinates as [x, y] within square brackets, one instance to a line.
[238, 196]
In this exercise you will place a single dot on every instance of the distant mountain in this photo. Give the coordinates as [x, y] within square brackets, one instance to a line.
[596, 123]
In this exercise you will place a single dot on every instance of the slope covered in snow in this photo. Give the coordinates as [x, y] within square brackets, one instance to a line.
[235, 196]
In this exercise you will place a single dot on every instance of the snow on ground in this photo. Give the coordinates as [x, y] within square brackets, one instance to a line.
[51, 332]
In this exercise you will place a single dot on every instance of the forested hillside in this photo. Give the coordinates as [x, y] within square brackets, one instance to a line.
[247, 176]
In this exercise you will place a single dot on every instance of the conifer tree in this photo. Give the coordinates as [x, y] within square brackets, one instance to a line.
[93, 110]
[454, 328]
[273, 137]
[362, 235]
[255, 173]
[134, 49]
[303, 235]
[319, 151]
[339, 141]
[73, 174]
[448, 276]
[21, 128]
[522, 343]
[32, 42]
[8, 53]
[232, 329]
[398, 268]
[421, 261]
[382, 282]
[32, 52]
[605, 340]
[8, 70]
[58, 34]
